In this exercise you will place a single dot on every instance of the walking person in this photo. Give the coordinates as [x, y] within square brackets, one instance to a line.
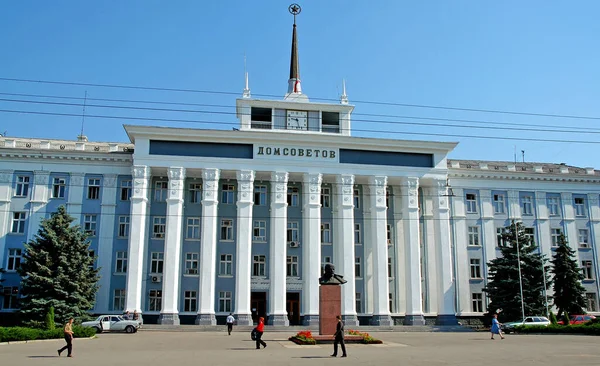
[260, 329]
[339, 338]
[496, 327]
[68, 332]
[230, 321]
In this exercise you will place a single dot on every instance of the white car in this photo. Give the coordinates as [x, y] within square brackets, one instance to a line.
[528, 321]
[113, 323]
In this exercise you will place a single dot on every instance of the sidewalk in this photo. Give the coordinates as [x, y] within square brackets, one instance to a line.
[296, 329]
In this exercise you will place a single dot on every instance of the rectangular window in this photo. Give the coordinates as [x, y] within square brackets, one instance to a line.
[553, 206]
[583, 238]
[160, 191]
[358, 302]
[226, 265]
[357, 234]
[193, 228]
[526, 205]
[259, 265]
[477, 302]
[391, 302]
[195, 193]
[530, 235]
[292, 266]
[325, 197]
[260, 195]
[499, 203]
[89, 224]
[475, 268]
[259, 230]
[293, 196]
[126, 190]
[93, 189]
[499, 239]
[389, 234]
[227, 194]
[357, 267]
[293, 231]
[555, 234]
[155, 303]
[579, 206]
[474, 235]
[18, 223]
[119, 300]
[387, 199]
[59, 185]
[191, 263]
[11, 298]
[225, 301]
[356, 197]
[588, 271]
[156, 266]
[325, 260]
[14, 259]
[471, 201]
[226, 229]
[159, 227]
[390, 268]
[123, 226]
[326, 233]
[590, 300]
[22, 188]
[190, 301]
[92, 254]
[121, 262]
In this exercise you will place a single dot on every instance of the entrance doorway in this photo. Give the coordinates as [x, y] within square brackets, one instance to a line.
[293, 307]
[258, 305]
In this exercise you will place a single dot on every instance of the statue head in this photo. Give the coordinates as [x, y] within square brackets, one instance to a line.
[329, 270]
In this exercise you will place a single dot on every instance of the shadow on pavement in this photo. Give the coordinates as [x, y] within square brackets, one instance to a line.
[55, 356]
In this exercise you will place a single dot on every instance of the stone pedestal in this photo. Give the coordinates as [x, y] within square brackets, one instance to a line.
[330, 306]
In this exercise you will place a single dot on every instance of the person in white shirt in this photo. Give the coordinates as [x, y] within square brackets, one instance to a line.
[230, 321]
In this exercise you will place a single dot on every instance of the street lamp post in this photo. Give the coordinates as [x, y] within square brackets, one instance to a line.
[519, 266]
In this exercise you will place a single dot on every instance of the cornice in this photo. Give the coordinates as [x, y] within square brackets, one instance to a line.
[49, 155]
[525, 177]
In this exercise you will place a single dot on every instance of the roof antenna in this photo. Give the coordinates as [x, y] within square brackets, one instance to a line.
[81, 136]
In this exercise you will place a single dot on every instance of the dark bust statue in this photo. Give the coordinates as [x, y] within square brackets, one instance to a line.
[330, 278]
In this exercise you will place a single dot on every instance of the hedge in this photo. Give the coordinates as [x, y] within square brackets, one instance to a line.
[589, 329]
[13, 334]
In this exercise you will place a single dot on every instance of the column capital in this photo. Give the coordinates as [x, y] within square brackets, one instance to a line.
[210, 178]
[140, 172]
[345, 185]
[440, 190]
[411, 185]
[279, 182]
[377, 188]
[176, 187]
[211, 174]
[312, 187]
[245, 180]
[176, 173]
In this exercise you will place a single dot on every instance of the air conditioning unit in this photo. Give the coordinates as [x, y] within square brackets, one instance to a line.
[294, 244]
[156, 279]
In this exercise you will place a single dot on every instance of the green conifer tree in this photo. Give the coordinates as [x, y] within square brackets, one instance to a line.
[57, 272]
[503, 286]
[568, 290]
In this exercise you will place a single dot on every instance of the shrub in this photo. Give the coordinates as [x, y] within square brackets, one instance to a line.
[588, 329]
[13, 334]
[303, 337]
[553, 318]
[566, 319]
[50, 325]
[367, 338]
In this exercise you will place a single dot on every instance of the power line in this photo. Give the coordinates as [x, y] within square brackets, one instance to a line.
[355, 130]
[324, 99]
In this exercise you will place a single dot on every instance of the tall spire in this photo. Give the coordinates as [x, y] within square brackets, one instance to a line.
[294, 87]
[246, 93]
[343, 97]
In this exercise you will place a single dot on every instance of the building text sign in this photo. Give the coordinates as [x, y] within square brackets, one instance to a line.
[295, 153]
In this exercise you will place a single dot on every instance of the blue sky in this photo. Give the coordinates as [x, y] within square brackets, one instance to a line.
[523, 56]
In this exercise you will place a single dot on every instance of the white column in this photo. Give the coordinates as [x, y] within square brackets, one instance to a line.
[378, 223]
[137, 237]
[105, 241]
[243, 256]
[460, 243]
[368, 271]
[446, 312]
[544, 240]
[594, 209]
[208, 248]
[39, 199]
[343, 219]
[5, 216]
[429, 258]
[75, 198]
[569, 222]
[488, 228]
[398, 228]
[514, 206]
[169, 313]
[311, 246]
[278, 249]
[410, 216]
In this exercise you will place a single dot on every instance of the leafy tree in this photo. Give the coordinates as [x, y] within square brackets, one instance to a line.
[503, 286]
[568, 290]
[553, 319]
[57, 272]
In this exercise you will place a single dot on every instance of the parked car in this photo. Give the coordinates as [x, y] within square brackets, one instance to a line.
[528, 321]
[113, 323]
[578, 319]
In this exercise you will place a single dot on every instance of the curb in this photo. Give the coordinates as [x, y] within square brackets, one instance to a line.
[39, 340]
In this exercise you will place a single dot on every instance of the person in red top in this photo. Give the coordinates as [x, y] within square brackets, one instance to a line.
[260, 328]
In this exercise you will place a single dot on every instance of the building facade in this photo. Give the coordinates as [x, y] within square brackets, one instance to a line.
[189, 225]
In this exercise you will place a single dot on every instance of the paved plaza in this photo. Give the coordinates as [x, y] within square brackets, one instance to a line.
[216, 348]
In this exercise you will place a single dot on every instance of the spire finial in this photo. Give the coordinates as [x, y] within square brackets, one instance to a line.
[344, 97]
[294, 81]
[246, 93]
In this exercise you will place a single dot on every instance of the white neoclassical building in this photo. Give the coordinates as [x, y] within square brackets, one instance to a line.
[189, 225]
